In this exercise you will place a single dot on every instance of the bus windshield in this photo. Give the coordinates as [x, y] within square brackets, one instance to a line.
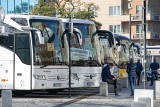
[85, 52]
[48, 53]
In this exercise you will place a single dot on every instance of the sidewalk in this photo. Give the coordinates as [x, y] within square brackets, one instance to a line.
[124, 100]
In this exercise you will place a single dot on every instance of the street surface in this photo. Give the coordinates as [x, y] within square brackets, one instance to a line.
[88, 97]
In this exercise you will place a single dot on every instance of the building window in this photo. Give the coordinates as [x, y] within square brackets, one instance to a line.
[138, 12]
[94, 10]
[115, 28]
[139, 28]
[18, 6]
[149, 9]
[149, 28]
[114, 10]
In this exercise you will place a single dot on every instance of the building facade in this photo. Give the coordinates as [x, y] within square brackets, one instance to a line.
[18, 6]
[115, 16]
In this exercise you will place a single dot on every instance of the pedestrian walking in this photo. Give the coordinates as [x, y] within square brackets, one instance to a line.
[107, 77]
[139, 70]
[154, 66]
[131, 70]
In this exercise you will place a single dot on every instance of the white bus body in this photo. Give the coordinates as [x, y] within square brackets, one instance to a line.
[86, 72]
[34, 66]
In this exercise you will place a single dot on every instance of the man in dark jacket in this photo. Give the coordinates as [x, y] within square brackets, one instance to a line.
[139, 70]
[131, 70]
[154, 66]
[107, 77]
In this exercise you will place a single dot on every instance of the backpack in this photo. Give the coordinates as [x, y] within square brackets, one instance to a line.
[139, 68]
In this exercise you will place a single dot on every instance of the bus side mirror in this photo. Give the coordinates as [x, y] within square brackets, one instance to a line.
[40, 36]
[120, 48]
[37, 32]
[78, 34]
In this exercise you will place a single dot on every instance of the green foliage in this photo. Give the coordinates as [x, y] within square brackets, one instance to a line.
[62, 8]
[84, 15]
[45, 9]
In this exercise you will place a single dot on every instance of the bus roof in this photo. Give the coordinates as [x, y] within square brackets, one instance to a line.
[121, 37]
[31, 16]
[78, 21]
[8, 19]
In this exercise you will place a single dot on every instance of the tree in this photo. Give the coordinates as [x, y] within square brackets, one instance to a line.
[63, 8]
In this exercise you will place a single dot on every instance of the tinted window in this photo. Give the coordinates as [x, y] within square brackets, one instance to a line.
[22, 47]
[7, 41]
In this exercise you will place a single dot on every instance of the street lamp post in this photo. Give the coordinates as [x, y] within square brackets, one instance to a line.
[130, 20]
[69, 40]
[144, 37]
[130, 29]
[70, 29]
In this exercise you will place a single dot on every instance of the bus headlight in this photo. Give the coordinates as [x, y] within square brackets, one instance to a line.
[40, 77]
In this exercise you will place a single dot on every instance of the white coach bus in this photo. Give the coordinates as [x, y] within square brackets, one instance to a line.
[40, 62]
[31, 62]
[86, 58]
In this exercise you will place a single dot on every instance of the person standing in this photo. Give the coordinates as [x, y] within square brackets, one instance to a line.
[107, 77]
[131, 70]
[139, 70]
[154, 66]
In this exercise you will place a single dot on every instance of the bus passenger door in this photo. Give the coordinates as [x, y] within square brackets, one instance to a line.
[22, 58]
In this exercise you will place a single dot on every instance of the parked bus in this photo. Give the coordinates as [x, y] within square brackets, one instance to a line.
[108, 43]
[126, 50]
[135, 51]
[86, 58]
[39, 61]
[123, 43]
[32, 62]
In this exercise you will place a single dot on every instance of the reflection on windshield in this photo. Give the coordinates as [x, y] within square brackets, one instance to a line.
[48, 53]
[107, 45]
[85, 51]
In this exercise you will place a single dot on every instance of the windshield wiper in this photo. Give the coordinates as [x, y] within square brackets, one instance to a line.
[44, 66]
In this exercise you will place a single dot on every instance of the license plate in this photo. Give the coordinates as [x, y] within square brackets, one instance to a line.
[90, 83]
[57, 84]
